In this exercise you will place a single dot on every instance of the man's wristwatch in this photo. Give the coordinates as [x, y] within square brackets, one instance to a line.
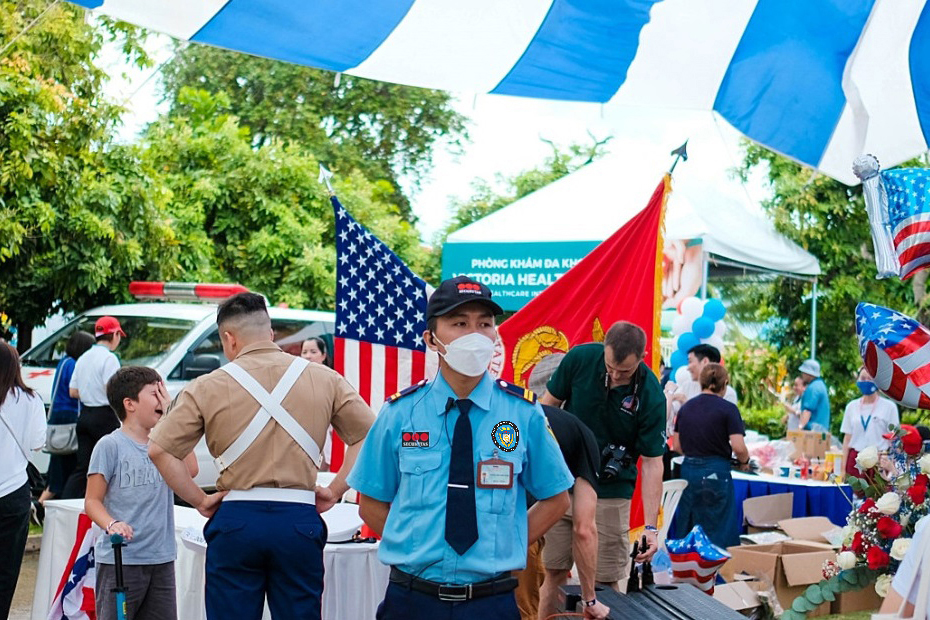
[590, 603]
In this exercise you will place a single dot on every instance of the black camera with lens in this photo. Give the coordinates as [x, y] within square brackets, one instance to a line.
[613, 459]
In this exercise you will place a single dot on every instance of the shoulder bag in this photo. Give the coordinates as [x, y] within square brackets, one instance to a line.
[60, 439]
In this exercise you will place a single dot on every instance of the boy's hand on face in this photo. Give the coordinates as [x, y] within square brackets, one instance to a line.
[164, 399]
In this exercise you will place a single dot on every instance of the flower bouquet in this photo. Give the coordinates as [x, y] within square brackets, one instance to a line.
[878, 531]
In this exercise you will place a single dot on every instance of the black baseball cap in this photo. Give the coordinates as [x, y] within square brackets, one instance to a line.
[456, 291]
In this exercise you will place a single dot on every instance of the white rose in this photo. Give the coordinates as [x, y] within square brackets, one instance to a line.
[846, 560]
[867, 459]
[924, 463]
[899, 548]
[882, 584]
[848, 532]
[889, 503]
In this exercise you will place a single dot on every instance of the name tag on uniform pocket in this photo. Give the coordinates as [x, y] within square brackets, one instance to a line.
[495, 474]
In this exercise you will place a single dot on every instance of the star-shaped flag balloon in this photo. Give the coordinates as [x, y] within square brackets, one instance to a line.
[896, 351]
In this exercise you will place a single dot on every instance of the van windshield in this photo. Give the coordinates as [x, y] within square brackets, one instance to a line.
[148, 340]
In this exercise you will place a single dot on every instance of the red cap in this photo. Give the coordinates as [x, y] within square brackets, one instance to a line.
[108, 325]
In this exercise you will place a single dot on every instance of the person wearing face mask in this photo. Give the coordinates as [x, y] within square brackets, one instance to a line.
[444, 474]
[865, 420]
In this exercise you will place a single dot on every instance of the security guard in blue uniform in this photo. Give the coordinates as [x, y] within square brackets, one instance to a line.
[444, 473]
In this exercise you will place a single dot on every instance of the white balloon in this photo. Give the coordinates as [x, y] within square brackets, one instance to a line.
[692, 308]
[720, 330]
[716, 341]
[682, 375]
[680, 325]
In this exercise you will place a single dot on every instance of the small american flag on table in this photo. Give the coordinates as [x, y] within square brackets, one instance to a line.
[380, 315]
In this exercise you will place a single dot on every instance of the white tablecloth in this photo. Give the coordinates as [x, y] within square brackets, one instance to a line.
[354, 584]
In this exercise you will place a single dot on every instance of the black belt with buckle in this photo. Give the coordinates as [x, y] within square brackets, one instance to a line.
[500, 584]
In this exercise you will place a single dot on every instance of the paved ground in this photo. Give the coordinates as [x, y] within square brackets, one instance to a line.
[22, 599]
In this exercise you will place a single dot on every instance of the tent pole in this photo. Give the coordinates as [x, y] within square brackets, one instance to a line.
[706, 270]
[814, 320]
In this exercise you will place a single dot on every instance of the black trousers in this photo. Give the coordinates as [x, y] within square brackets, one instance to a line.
[14, 528]
[92, 424]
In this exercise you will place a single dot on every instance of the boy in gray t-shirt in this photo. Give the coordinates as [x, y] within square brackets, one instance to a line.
[126, 495]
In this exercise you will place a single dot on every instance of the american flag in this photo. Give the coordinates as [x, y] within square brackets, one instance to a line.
[696, 560]
[74, 598]
[380, 315]
[896, 352]
[908, 191]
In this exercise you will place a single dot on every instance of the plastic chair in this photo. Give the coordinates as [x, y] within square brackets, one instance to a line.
[671, 495]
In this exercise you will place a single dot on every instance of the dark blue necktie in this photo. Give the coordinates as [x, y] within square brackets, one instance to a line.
[461, 517]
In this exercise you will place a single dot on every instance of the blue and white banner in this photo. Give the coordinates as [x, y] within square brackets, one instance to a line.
[820, 81]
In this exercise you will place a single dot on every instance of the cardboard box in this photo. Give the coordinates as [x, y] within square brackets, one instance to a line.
[812, 444]
[813, 529]
[866, 599]
[790, 566]
[762, 514]
[738, 596]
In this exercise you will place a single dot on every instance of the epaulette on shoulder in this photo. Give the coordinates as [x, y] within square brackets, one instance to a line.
[407, 390]
[516, 390]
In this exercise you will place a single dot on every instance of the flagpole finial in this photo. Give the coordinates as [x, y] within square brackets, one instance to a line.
[325, 176]
[681, 153]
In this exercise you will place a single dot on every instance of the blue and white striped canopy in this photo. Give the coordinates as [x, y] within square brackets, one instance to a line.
[820, 81]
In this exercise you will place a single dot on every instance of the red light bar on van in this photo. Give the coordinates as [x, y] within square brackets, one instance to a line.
[184, 291]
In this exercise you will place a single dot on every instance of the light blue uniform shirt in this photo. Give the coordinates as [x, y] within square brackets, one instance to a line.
[414, 480]
[816, 400]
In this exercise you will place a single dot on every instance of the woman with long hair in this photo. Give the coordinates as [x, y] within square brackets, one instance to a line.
[64, 410]
[22, 428]
[314, 350]
[707, 431]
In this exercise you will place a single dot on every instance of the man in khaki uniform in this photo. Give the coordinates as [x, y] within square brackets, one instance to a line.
[264, 416]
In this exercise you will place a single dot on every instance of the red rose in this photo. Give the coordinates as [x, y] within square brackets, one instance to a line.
[888, 528]
[922, 480]
[866, 506]
[917, 493]
[857, 546]
[877, 558]
[911, 442]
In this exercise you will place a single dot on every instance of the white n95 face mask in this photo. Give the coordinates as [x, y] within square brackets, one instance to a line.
[469, 355]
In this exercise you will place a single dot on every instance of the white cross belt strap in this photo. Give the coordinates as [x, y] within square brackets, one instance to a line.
[270, 409]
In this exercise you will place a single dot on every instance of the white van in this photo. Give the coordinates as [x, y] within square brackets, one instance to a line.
[179, 340]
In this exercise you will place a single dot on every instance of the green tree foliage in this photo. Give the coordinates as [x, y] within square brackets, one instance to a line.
[486, 200]
[385, 131]
[77, 216]
[828, 219]
[259, 214]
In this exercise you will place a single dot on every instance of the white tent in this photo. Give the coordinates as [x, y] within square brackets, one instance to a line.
[590, 204]
[524, 247]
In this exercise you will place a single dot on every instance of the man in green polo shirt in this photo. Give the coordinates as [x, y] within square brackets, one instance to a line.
[615, 394]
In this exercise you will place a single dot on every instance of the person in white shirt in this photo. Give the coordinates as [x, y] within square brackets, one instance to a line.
[865, 420]
[89, 385]
[678, 394]
[22, 428]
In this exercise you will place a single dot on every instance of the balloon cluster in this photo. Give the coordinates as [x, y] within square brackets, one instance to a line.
[697, 322]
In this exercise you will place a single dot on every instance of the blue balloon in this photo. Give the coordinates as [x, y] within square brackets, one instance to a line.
[687, 341]
[714, 310]
[703, 327]
[679, 358]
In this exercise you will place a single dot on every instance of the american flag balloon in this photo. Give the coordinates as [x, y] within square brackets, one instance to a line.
[696, 560]
[896, 351]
